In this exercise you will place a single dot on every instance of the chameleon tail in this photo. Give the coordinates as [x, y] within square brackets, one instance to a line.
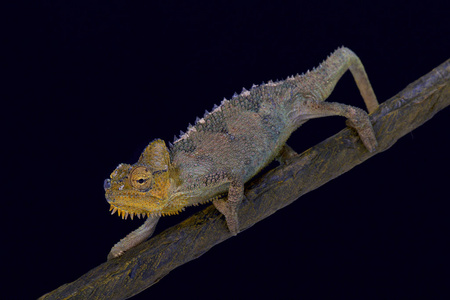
[324, 78]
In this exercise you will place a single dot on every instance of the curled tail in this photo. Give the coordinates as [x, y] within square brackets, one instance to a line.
[324, 78]
[314, 87]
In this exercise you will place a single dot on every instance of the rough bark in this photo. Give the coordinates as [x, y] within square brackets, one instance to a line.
[146, 264]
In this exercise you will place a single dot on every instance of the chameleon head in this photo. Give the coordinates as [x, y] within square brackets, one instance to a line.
[143, 188]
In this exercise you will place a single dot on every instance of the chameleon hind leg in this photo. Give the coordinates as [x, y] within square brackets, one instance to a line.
[286, 153]
[358, 119]
[324, 78]
[318, 85]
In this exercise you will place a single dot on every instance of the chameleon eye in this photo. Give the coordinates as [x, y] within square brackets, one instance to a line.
[141, 178]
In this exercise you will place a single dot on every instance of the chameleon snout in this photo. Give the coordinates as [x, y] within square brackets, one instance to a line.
[107, 184]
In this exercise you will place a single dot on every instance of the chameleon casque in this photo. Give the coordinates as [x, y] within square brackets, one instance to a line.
[231, 144]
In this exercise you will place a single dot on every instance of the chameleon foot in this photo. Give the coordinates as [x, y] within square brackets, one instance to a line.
[230, 214]
[134, 238]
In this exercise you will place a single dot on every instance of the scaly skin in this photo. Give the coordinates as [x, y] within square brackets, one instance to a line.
[230, 145]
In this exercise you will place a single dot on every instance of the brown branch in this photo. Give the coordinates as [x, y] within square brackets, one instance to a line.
[146, 264]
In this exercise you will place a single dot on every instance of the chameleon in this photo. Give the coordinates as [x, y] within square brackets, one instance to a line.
[214, 158]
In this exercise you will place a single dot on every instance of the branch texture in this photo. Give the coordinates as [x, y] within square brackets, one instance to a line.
[147, 263]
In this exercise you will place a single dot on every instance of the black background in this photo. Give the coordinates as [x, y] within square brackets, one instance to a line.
[90, 83]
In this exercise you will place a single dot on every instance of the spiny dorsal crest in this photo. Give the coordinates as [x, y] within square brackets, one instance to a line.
[245, 95]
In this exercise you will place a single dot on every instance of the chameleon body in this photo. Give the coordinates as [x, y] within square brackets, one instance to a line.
[227, 147]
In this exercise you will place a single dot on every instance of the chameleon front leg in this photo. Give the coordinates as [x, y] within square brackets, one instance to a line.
[134, 238]
[229, 207]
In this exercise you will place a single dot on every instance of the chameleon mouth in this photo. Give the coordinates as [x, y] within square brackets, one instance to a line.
[124, 214]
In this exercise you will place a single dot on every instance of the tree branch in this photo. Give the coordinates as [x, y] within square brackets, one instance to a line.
[147, 263]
